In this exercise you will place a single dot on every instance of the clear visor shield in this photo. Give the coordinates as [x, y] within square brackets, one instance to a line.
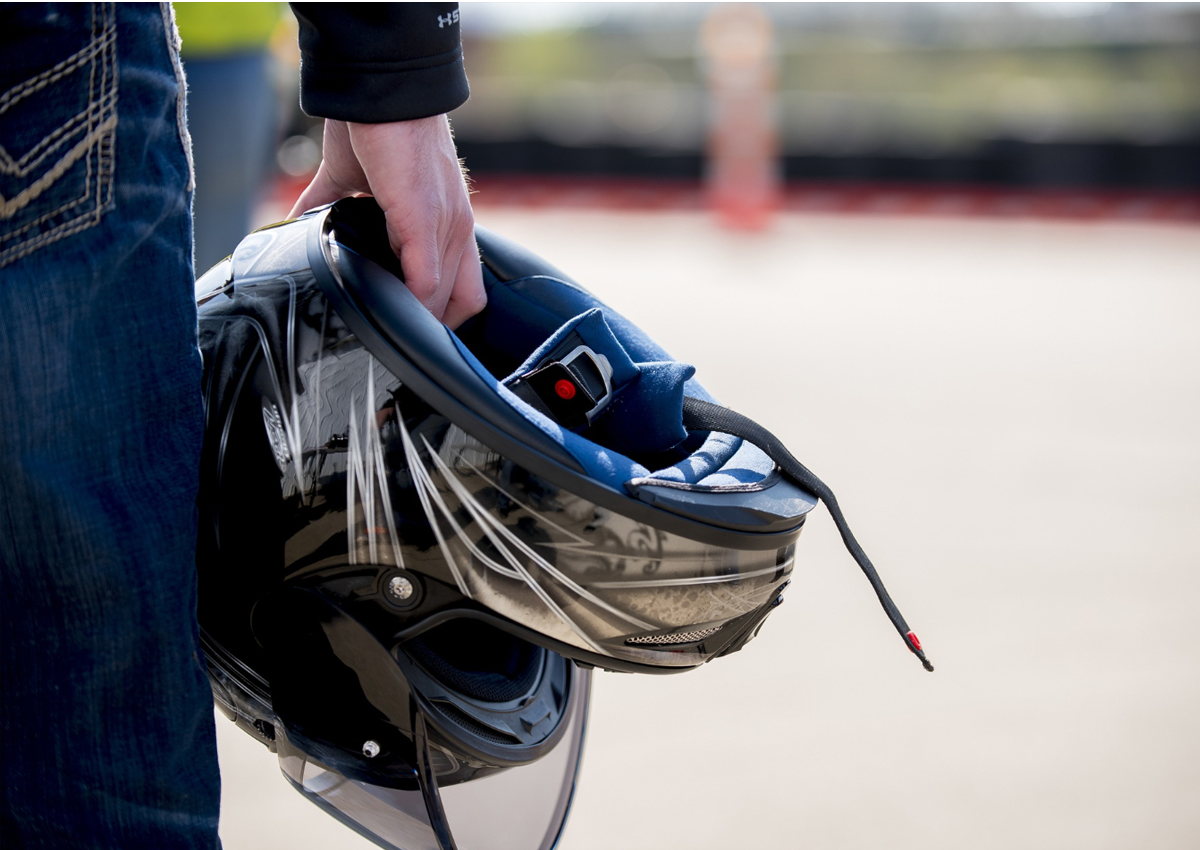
[519, 808]
[402, 759]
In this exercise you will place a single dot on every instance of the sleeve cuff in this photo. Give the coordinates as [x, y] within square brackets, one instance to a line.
[380, 93]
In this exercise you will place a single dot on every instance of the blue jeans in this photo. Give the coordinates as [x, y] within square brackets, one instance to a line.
[106, 725]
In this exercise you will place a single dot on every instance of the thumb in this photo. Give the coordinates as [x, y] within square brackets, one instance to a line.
[322, 190]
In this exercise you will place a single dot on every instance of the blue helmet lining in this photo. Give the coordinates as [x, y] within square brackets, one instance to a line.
[526, 317]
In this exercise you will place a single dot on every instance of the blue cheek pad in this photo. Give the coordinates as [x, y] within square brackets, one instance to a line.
[526, 318]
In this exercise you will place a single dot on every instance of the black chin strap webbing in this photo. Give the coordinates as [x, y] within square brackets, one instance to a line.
[704, 416]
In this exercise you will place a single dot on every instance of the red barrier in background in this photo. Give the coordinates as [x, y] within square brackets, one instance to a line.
[606, 193]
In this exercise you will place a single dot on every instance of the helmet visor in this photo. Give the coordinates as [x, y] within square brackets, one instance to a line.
[517, 808]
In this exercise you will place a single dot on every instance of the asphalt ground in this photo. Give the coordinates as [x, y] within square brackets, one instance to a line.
[1009, 412]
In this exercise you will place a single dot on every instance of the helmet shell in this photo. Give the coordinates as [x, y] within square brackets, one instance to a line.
[348, 430]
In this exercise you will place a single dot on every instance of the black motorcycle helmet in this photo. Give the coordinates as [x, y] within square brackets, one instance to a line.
[414, 543]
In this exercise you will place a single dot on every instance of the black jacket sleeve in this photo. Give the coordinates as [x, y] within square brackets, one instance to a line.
[379, 62]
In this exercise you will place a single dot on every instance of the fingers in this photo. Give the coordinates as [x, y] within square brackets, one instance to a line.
[415, 242]
[339, 175]
[412, 169]
[441, 265]
[418, 181]
[467, 297]
[322, 190]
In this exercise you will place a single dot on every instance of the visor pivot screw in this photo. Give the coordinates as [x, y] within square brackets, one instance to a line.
[370, 749]
[398, 588]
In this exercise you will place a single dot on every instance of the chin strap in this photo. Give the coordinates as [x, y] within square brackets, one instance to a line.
[704, 416]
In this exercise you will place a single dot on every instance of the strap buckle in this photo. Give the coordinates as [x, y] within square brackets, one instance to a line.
[573, 390]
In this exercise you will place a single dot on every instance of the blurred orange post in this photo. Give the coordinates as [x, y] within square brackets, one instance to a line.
[743, 168]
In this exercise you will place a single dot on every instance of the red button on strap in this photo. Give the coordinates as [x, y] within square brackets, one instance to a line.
[912, 636]
[564, 389]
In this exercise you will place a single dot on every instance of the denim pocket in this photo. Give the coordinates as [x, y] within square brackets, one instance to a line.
[57, 127]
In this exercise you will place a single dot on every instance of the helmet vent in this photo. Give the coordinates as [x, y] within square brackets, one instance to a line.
[671, 639]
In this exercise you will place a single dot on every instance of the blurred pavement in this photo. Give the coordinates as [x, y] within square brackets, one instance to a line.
[1009, 412]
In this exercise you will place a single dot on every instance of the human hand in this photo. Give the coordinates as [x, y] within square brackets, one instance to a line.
[412, 170]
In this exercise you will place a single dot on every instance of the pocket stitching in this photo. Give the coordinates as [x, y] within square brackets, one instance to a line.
[24, 249]
[23, 90]
[82, 148]
[100, 138]
[34, 84]
[59, 136]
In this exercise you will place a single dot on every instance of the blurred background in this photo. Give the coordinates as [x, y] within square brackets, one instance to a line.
[950, 254]
[1062, 109]
[1058, 94]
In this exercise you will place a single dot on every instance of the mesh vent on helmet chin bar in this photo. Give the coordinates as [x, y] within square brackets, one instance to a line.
[671, 639]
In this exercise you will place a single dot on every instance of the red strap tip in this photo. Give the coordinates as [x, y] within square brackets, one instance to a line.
[912, 638]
